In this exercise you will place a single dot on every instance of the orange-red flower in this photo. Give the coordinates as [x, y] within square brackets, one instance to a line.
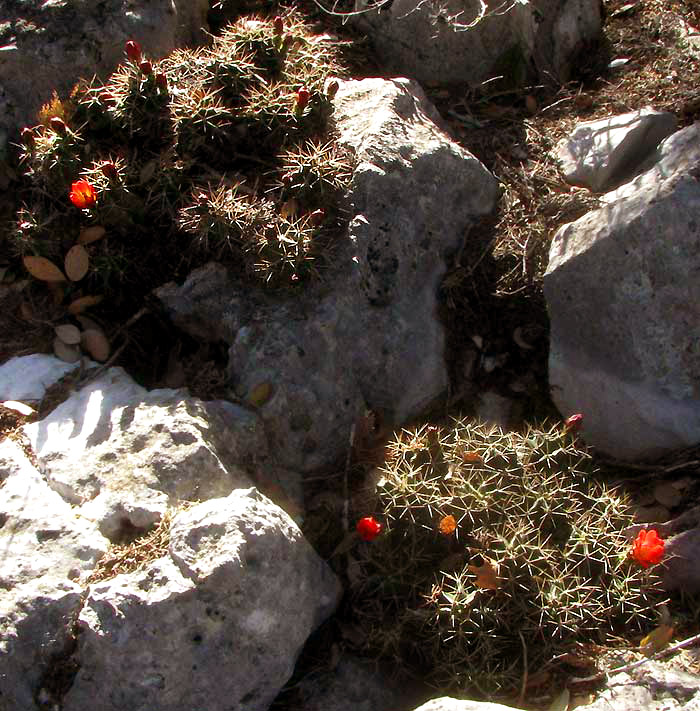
[82, 194]
[648, 548]
[368, 528]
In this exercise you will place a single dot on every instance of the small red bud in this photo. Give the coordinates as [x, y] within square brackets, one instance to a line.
[303, 97]
[107, 98]
[109, 170]
[161, 81]
[332, 88]
[573, 423]
[287, 42]
[27, 137]
[133, 51]
[317, 217]
[58, 125]
[278, 25]
[146, 67]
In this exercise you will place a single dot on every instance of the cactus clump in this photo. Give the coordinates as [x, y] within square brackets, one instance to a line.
[502, 550]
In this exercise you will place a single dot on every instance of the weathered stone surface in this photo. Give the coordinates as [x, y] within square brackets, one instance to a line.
[368, 335]
[603, 154]
[26, 378]
[46, 546]
[447, 703]
[434, 42]
[624, 305]
[123, 455]
[50, 45]
[681, 554]
[217, 624]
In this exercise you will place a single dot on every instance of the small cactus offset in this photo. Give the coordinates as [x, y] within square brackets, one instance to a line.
[193, 157]
[496, 541]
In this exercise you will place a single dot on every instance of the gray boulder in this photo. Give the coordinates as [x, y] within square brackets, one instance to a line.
[603, 154]
[624, 305]
[216, 624]
[48, 46]
[441, 43]
[368, 336]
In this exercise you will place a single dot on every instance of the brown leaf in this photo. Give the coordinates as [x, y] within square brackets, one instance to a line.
[68, 354]
[91, 234]
[260, 394]
[486, 574]
[68, 333]
[83, 303]
[96, 344]
[447, 525]
[657, 640]
[43, 269]
[77, 262]
[472, 457]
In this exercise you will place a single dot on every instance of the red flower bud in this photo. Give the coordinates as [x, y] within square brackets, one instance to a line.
[303, 97]
[107, 98]
[573, 423]
[648, 548]
[58, 125]
[146, 67]
[278, 25]
[332, 88]
[109, 170]
[161, 81]
[368, 528]
[317, 217]
[133, 51]
[27, 137]
[82, 194]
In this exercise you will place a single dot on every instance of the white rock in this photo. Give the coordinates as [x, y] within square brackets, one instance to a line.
[26, 378]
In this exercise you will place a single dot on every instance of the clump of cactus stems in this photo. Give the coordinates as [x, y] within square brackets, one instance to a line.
[501, 551]
[224, 152]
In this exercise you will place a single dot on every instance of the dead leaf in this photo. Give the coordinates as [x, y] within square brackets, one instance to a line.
[19, 407]
[77, 262]
[486, 574]
[96, 344]
[68, 333]
[83, 303]
[447, 525]
[68, 354]
[43, 269]
[657, 640]
[260, 394]
[91, 234]
[561, 702]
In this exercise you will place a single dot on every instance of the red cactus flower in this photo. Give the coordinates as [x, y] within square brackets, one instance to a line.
[133, 51]
[573, 423]
[82, 194]
[303, 96]
[57, 124]
[27, 137]
[648, 548]
[146, 67]
[161, 81]
[368, 528]
[278, 25]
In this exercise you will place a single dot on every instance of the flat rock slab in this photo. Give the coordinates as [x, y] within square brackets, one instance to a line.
[603, 154]
[368, 335]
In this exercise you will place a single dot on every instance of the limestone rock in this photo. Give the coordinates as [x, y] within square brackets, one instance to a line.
[50, 45]
[603, 154]
[624, 305]
[447, 703]
[46, 547]
[123, 455]
[367, 336]
[215, 624]
[436, 42]
[26, 378]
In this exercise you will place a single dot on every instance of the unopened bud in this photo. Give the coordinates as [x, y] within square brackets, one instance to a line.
[332, 88]
[573, 423]
[303, 97]
[27, 137]
[161, 81]
[109, 170]
[317, 217]
[133, 51]
[278, 25]
[57, 124]
[146, 67]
